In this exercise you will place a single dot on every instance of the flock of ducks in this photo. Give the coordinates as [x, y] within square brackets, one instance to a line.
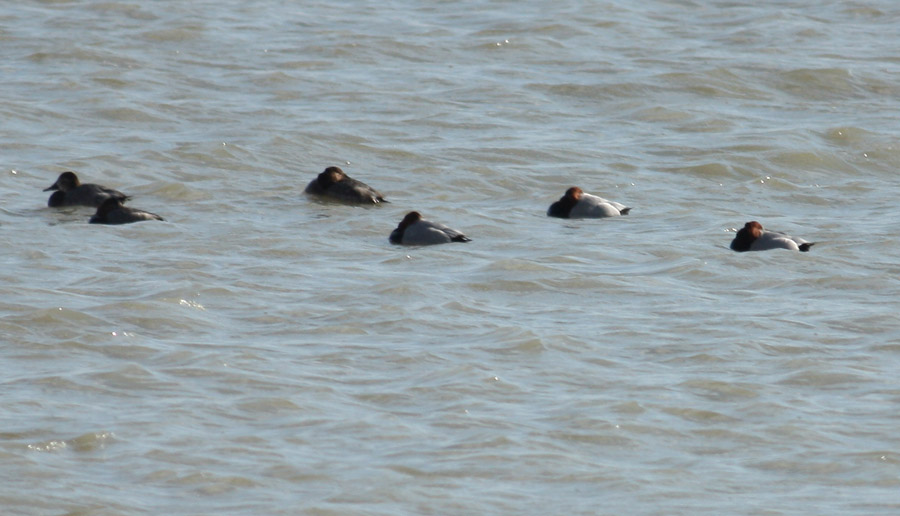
[333, 183]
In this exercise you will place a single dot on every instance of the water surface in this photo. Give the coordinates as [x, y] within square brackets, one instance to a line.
[262, 352]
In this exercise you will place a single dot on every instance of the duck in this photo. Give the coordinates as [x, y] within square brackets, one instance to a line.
[414, 230]
[112, 211]
[334, 183]
[752, 237]
[576, 204]
[71, 192]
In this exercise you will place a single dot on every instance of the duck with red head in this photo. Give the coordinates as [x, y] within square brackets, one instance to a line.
[72, 192]
[414, 230]
[576, 204]
[752, 237]
[333, 183]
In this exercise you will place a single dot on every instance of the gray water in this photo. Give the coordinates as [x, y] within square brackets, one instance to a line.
[261, 352]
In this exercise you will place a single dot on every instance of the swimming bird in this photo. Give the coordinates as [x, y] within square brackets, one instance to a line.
[71, 192]
[576, 204]
[113, 212]
[334, 183]
[414, 230]
[752, 237]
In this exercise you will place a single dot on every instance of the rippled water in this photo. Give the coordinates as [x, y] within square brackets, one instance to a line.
[266, 353]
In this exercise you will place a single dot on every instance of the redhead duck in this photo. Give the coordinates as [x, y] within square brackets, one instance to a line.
[113, 212]
[414, 230]
[334, 183]
[752, 237]
[576, 204]
[71, 192]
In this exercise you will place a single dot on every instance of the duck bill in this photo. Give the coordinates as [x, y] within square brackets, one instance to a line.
[54, 186]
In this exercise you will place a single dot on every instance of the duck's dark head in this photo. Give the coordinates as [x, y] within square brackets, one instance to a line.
[65, 182]
[410, 218]
[574, 193]
[564, 205]
[108, 205]
[330, 176]
[746, 235]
